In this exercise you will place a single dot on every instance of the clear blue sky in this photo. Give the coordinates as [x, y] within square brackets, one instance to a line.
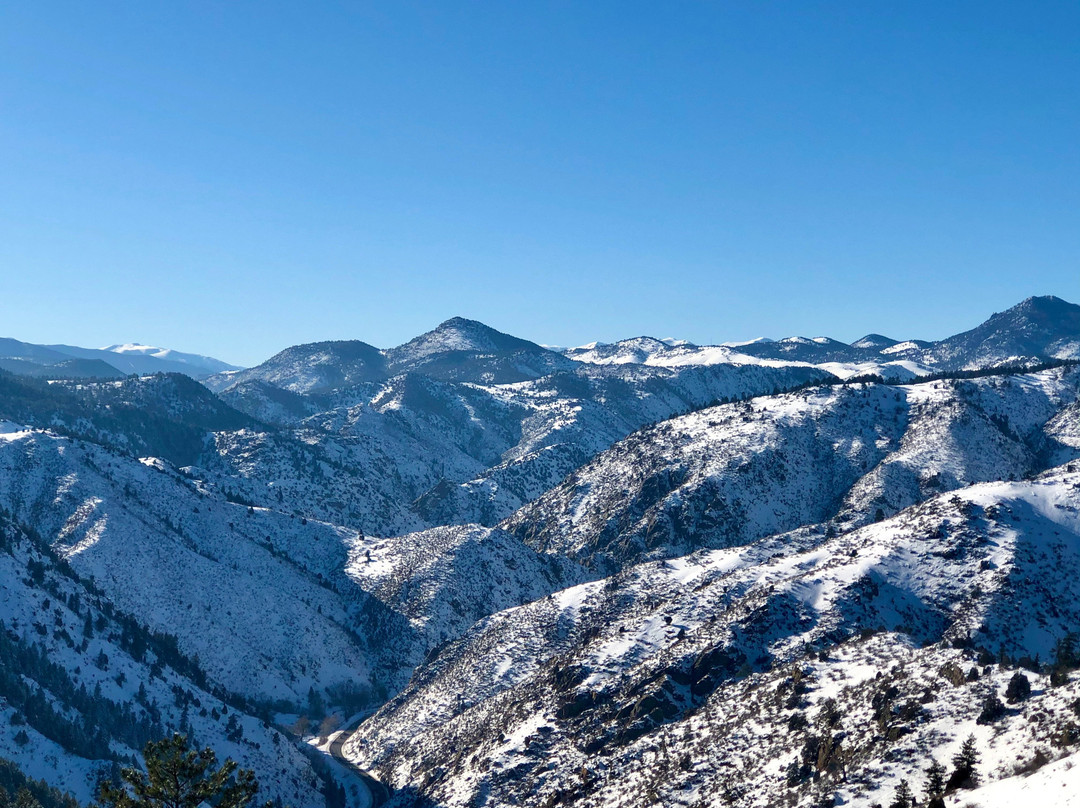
[232, 178]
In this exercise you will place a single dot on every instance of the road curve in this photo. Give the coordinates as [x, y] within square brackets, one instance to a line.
[378, 790]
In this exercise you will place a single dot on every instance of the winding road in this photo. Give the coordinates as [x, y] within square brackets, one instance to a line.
[378, 790]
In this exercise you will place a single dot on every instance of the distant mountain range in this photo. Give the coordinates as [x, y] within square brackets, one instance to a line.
[72, 362]
[1038, 329]
[642, 573]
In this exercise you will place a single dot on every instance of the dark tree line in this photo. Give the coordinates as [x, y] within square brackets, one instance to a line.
[19, 791]
[100, 720]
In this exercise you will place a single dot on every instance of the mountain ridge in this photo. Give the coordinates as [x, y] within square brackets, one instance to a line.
[71, 361]
[642, 573]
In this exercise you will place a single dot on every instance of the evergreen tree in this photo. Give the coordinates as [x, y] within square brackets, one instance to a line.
[316, 705]
[1067, 652]
[964, 763]
[992, 710]
[19, 791]
[24, 799]
[935, 784]
[903, 797]
[179, 777]
[793, 774]
[1019, 688]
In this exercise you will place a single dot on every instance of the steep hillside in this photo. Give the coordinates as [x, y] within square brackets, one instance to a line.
[166, 415]
[781, 673]
[316, 367]
[251, 592]
[469, 351]
[364, 458]
[960, 432]
[722, 476]
[733, 473]
[418, 451]
[85, 685]
[571, 417]
[446, 578]
[1037, 328]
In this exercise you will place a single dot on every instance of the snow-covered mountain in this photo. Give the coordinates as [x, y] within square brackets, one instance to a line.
[313, 368]
[435, 427]
[73, 362]
[26, 359]
[1039, 328]
[201, 365]
[86, 684]
[457, 350]
[142, 359]
[736, 472]
[469, 351]
[115, 520]
[793, 671]
[770, 573]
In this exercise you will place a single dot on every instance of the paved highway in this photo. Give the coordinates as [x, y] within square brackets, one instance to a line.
[379, 792]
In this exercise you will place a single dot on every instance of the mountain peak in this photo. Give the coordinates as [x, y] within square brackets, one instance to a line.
[1052, 299]
[313, 367]
[874, 342]
[460, 349]
[207, 364]
[459, 334]
[463, 323]
[1037, 327]
[1045, 305]
[472, 328]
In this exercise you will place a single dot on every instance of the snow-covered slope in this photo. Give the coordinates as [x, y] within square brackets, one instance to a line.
[85, 685]
[143, 359]
[446, 578]
[202, 365]
[638, 350]
[719, 477]
[468, 424]
[252, 593]
[168, 415]
[463, 452]
[1039, 328]
[733, 473]
[369, 454]
[960, 432]
[687, 680]
[571, 417]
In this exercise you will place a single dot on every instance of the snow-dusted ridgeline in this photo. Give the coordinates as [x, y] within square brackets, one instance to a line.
[678, 681]
[650, 612]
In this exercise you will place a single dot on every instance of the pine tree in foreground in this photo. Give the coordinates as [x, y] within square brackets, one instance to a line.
[179, 777]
